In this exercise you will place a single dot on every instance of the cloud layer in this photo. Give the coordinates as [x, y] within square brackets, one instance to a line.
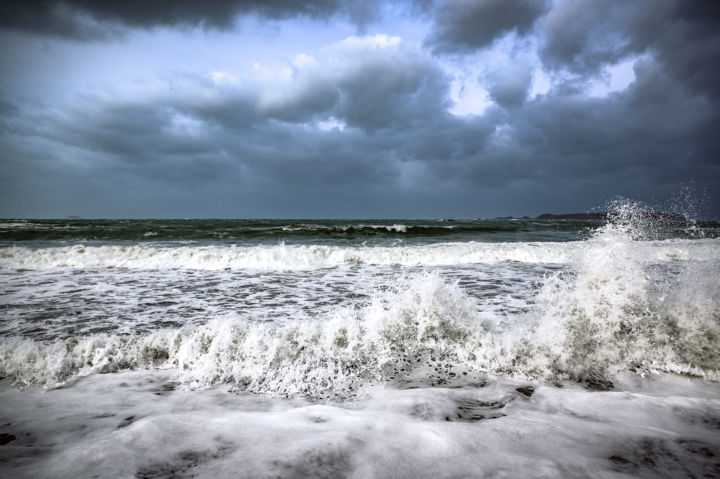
[86, 19]
[364, 126]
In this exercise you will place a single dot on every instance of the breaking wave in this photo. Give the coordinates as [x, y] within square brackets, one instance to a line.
[604, 318]
[610, 312]
[309, 257]
[278, 257]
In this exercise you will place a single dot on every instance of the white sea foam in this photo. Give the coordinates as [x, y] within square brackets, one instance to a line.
[13, 225]
[394, 228]
[610, 308]
[397, 228]
[304, 257]
[611, 314]
[602, 319]
[279, 257]
[607, 312]
[139, 424]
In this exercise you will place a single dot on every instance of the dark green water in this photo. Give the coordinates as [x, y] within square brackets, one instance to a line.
[293, 231]
[250, 232]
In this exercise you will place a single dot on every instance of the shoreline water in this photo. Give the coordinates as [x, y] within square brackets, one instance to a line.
[381, 349]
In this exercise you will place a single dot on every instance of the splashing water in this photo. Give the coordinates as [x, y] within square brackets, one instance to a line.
[625, 302]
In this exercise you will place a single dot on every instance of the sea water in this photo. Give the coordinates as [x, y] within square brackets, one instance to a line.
[484, 348]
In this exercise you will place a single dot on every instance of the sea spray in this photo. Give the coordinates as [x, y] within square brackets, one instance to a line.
[622, 301]
[594, 318]
[610, 314]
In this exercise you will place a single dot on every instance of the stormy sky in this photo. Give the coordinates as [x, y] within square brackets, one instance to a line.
[338, 108]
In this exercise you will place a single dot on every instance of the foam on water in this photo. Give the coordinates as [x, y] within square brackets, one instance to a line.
[278, 257]
[303, 257]
[337, 355]
[419, 378]
[623, 303]
[394, 228]
[608, 315]
[139, 424]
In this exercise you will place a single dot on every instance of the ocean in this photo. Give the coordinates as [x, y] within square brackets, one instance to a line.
[360, 348]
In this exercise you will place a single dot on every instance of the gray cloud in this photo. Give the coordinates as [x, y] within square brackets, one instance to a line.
[560, 146]
[371, 135]
[647, 133]
[465, 25]
[584, 35]
[509, 84]
[393, 93]
[683, 38]
[221, 127]
[87, 19]
[392, 106]
[689, 42]
[394, 89]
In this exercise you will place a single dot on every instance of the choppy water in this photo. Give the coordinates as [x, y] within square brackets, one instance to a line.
[186, 348]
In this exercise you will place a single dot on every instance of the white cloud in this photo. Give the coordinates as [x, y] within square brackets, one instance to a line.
[469, 97]
[184, 125]
[304, 61]
[541, 84]
[370, 41]
[331, 124]
[223, 78]
[614, 78]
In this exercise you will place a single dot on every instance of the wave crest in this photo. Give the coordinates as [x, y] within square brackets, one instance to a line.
[278, 257]
[622, 305]
[605, 318]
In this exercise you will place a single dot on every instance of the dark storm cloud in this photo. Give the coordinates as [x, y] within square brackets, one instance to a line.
[583, 36]
[84, 19]
[683, 34]
[370, 130]
[690, 42]
[397, 90]
[642, 140]
[208, 133]
[462, 26]
[658, 132]
[210, 129]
